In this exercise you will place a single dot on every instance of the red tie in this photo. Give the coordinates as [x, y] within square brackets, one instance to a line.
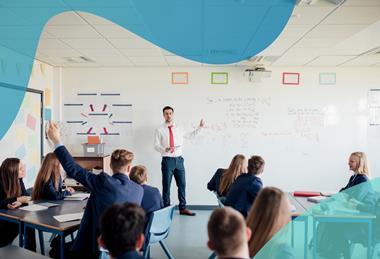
[171, 139]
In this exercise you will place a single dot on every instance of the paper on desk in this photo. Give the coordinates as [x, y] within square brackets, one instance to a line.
[34, 207]
[77, 197]
[68, 217]
[48, 204]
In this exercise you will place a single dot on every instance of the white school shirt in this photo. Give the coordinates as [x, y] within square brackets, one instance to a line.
[162, 139]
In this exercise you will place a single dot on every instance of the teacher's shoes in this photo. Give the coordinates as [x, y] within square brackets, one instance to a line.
[186, 212]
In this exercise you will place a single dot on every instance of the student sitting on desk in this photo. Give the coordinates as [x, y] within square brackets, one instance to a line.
[48, 184]
[228, 234]
[121, 231]
[223, 178]
[268, 215]
[12, 195]
[244, 190]
[105, 191]
[152, 199]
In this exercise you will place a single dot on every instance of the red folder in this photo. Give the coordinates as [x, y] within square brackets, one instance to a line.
[305, 194]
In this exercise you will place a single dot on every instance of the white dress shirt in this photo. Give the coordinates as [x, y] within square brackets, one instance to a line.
[162, 139]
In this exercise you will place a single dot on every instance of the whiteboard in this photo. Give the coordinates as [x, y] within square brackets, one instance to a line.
[24, 138]
[305, 133]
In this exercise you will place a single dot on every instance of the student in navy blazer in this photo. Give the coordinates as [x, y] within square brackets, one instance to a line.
[122, 227]
[223, 178]
[152, 199]
[244, 190]
[364, 193]
[105, 191]
[48, 184]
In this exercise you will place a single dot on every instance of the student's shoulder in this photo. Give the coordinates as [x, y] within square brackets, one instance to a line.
[149, 188]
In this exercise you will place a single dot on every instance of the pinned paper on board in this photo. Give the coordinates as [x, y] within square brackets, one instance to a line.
[21, 152]
[219, 78]
[47, 97]
[289, 78]
[21, 134]
[180, 78]
[47, 114]
[327, 78]
[31, 122]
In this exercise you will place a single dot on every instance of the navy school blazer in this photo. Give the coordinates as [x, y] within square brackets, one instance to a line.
[243, 193]
[214, 184]
[152, 200]
[363, 193]
[130, 255]
[5, 201]
[49, 192]
[105, 191]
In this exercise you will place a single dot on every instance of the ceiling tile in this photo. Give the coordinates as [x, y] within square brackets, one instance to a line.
[363, 61]
[136, 43]
[52, 44]
[354, 15]
[336, 31]
[180, 61]
[151, 52]
[114, 31]
[149, 61]
[66, 18]
[73, 31]
[94, 19]
[309, 15]
[329, 60]
[88, 43]
[362, 3]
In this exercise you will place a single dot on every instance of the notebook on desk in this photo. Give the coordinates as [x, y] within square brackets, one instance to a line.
[77, 197]
[316, 199]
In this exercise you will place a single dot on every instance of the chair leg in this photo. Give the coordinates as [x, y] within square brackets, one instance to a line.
[146, 252]
[212, 256]
[166, 250]
[41, 239]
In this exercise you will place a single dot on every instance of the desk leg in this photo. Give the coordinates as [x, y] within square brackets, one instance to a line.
[306, 237]
[41, 238]
[20, 234]
[292, 235]
[369, 249]
[62, 241]
[315, 239]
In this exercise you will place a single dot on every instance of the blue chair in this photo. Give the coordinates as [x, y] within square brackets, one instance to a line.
[157, 229]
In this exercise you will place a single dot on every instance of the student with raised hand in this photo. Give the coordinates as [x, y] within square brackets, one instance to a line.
[121, 231]
[105, 191]
[228, 234]
[269, 213]
[48, 184]
[244, 190]
[12, 195]
[152, 199]
[223, 178]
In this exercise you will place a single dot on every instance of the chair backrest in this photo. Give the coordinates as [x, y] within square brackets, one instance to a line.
[220, 200]
[158, 225]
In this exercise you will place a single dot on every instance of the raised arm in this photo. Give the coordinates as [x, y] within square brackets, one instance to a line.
[193, 133]
[72, 169]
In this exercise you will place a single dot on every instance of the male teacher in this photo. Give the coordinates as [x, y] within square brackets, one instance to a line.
[168, 141]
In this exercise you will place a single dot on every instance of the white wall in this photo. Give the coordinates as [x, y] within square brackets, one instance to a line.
[298, 156]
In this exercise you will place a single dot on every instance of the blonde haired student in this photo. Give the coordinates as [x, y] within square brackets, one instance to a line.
[268, 215]
[224, 178]
[48, 184]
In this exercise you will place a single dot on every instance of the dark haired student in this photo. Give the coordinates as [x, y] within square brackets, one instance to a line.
[105, 191]
[12, 195]
[121, 231]
[168, 141]
[244, 190]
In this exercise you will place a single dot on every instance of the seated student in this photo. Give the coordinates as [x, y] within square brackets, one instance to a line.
[48, 184]
[269, 213]
[152, 199]
[121, 231]
[357, 163]
[12, 195]
[228, 234]
[244, 190]
[223, 178]
[105, 191]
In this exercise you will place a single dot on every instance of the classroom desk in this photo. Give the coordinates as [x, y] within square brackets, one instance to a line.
[43, 221]
[15, 216]
[338, 217]
[15, 252]
[302, 215]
